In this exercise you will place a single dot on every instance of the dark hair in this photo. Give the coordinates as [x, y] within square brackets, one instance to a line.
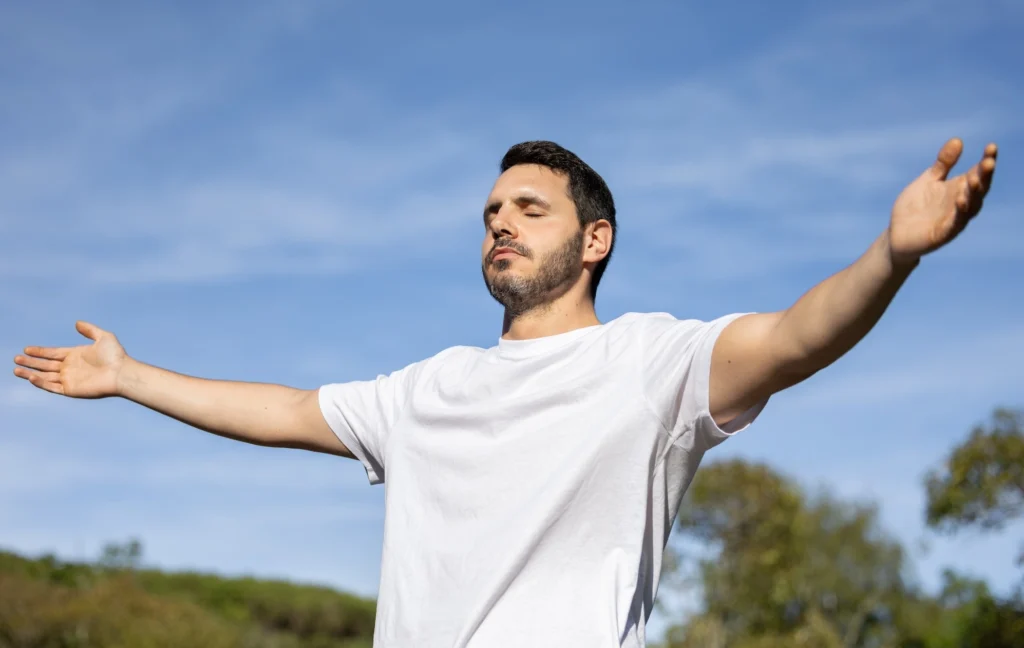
[587, 189]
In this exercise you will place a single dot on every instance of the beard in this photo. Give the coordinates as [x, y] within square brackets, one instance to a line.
[556, 274]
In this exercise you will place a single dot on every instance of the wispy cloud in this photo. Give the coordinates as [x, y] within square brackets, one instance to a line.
[107, 192]
[313, 194]
[17, 393]
[281, 472]
[301, 204]
[160, 171]
[975, 365]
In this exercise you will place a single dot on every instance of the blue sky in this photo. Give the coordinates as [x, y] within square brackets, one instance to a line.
[290, 192]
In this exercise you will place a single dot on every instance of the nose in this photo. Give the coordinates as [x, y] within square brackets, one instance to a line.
[502, 226]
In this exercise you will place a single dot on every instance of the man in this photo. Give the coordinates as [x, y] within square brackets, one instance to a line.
[532, 485]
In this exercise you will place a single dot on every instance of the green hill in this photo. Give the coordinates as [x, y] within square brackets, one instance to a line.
[47, 603]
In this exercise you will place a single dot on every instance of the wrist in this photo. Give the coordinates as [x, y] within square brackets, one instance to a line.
[899, 262]
[127, 375]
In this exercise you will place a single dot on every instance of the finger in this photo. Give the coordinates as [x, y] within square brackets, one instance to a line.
[49, 353]
[39, 364]
[974, 201]
[968, 204]
[961, 194]
[966, 209]
[90, 331]
[973, 206]
[52, 386]
[947, 159]
[979, 180]
[962, 203]
[974, 179]
[31, 374]
[987, 166]
[40, 379]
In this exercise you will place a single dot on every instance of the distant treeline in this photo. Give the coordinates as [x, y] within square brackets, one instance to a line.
[49, 603]
[771, 564]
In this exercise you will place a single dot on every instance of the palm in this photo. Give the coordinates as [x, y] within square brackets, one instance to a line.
[934, 209]
[91, 371]
[88, 371]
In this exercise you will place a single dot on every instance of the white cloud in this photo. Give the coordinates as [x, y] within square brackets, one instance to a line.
[22, 394]
[750, 170]
[302, 199]
[745, 170]
[26, 467]
[964, 366]
[302, 203]
[313, 194]
[24, 470]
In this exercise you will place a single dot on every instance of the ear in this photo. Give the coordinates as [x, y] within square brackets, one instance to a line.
[597, 241]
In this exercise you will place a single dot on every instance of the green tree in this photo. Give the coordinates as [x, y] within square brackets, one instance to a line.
[981, 483]
[784, 568]
[125, 556]
[967, 615]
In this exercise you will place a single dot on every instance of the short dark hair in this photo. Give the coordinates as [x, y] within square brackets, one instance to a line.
[587, 189]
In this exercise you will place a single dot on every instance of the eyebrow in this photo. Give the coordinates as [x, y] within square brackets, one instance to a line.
[522, 200]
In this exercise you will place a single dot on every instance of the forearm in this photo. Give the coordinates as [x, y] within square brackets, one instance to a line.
[257, 413]
[836, 314]
[761, 354]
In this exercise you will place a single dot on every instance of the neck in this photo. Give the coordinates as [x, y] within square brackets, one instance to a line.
[567, 313]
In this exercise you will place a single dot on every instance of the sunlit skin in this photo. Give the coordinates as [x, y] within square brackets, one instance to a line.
[529, 207]
[760, 355]
[933, 209]
[530, 210]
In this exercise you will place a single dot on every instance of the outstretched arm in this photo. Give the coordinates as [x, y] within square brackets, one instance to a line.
[759, 355]
[261, 414]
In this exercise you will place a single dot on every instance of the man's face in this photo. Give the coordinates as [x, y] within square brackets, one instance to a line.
[533, 243]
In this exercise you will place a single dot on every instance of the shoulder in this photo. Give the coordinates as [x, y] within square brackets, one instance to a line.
[645, 326]
[456, 354]
[450, 357]
[651, 320]
[663, 332]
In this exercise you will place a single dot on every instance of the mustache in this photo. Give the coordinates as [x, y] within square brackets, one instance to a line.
[510, 244]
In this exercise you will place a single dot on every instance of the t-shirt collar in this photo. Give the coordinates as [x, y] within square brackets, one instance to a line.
[541, 345]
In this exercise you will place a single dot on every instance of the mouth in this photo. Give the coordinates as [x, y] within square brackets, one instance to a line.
[503, 253]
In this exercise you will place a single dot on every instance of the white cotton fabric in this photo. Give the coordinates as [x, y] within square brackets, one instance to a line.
[530, 487]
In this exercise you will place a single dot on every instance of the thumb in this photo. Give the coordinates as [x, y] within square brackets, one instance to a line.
[89, 330]
[948, 156]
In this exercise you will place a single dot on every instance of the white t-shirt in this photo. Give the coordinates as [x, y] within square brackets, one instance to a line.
[531, 487]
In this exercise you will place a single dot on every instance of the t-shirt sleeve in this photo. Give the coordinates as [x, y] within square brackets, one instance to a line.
[363, 413]
[676, 359]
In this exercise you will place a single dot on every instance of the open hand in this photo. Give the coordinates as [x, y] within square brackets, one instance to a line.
[933, 209]
[89, 371]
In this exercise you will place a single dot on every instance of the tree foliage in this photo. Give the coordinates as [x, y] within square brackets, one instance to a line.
[113, 612]
[783, 568]
[982, 481]
[48, 603]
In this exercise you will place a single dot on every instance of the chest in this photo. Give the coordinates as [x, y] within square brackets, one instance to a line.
[508, 435]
